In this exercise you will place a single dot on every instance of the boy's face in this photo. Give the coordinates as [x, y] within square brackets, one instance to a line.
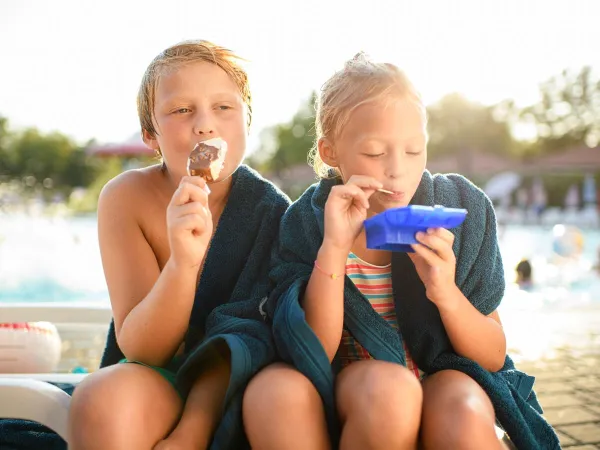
[193, 103]
[389, 143]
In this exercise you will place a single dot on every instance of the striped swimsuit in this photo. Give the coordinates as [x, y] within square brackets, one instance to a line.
[375, 283]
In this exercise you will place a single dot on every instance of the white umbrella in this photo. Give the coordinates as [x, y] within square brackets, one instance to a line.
[589, 189]
[538, 194]
[572, 197]
[134, 146]
[502, 185]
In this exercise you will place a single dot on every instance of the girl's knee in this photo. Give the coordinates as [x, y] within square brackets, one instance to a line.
[277, 389]
[456, 410]
[377, 387]
[451, 390]
[382, 399]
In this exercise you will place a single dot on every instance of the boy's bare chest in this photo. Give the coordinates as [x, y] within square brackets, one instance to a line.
[155, 228]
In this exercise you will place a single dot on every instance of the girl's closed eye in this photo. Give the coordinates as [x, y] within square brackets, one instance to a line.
[414, 152]
[373, 155]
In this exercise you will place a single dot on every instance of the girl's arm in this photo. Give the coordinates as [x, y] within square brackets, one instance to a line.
[324, 297]
[473, 335]
[345, 212]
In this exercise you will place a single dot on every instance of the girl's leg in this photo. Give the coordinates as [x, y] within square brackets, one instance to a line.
[282, 410]
[125, 406]
[379, 405]
[202, 412]
[457, 414]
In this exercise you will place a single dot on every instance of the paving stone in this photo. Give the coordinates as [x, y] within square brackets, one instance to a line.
[583, 447]
[570, 415]
[594, 407]
[554, 387]
[586, 433]
[559, 400]
[591, 383]
[588, 397]
[564, 439]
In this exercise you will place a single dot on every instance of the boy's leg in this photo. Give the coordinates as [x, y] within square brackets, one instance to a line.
[283, 410]
[202, 411]
[457, 414]
[125, 406]
[379, 405]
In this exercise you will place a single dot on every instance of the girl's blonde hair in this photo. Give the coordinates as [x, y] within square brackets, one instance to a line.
[360, 81]
[184, 53]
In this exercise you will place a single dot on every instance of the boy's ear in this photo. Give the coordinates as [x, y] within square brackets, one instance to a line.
[327, 152]
[150, 140]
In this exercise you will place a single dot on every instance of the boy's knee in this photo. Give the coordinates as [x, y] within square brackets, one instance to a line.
[384, 399]
[95, 396]
[277, 389]
[105, 397]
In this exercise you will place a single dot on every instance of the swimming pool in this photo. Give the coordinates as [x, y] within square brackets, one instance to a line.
[57, 259]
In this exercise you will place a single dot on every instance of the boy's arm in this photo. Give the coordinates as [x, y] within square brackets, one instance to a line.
[151, 308]
[204, 404]
[473, 335]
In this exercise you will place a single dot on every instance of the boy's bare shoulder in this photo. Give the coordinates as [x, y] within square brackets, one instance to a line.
[132, 187]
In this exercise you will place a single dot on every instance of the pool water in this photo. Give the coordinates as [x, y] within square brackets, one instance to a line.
[46, 259]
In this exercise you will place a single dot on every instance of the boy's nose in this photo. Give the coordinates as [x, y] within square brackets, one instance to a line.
[203, 125]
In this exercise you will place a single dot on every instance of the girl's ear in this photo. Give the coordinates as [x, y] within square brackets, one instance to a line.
[327, 152]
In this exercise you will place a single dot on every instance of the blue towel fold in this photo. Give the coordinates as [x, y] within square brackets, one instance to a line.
[226, 313]
[479, 275]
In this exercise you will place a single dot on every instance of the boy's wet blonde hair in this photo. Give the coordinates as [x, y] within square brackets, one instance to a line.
[360, 81]
[184, 53]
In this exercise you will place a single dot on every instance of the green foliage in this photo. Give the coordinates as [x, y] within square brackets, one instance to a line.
[457, 125]
[46, 164]
[287, 144]
[568, 113]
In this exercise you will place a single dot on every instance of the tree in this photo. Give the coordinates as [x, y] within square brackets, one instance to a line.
[288, 144]
[568, 112]
[457, 126]
[5, 160]
[49, 163]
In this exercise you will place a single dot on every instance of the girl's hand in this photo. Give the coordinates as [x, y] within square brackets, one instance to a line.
[346, 210]
[436, 265]
[189, 223]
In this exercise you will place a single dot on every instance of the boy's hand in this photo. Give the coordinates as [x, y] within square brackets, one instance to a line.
[189, 223]
[435, 262]
[346, 210]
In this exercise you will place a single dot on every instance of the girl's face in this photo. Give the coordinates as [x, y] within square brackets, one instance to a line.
[194, 103]
[386, 141]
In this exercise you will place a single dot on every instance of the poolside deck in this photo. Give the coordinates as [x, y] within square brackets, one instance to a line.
[567, 371]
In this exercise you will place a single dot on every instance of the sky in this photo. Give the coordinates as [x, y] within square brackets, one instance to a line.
[75, 65]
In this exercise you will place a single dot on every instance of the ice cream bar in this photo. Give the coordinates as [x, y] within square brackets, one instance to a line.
[207, 158]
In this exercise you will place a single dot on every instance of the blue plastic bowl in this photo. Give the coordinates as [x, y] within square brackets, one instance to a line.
[395, 229]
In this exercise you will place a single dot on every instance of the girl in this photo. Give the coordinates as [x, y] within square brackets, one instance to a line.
[186, 269]
[386, 350]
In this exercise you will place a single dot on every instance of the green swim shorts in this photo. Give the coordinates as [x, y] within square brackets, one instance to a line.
[166, 374]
